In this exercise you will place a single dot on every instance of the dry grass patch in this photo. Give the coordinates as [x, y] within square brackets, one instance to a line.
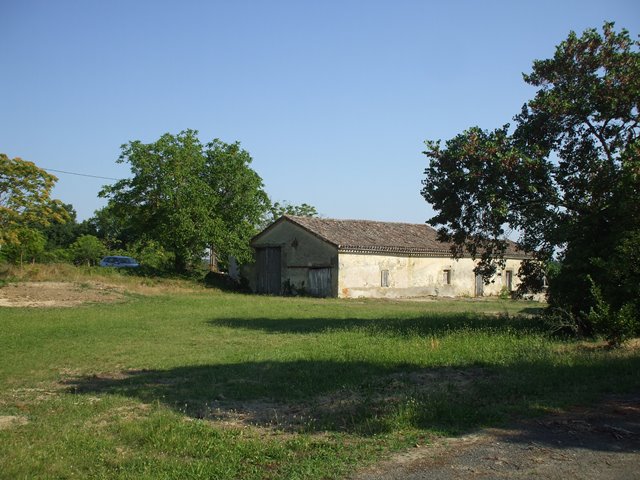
[126, 413]
[630, 347]
[126, 280]
[12, 421]
[61, 285]
[59, 294]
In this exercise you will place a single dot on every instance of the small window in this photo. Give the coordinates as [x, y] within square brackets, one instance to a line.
[384, 278]
[446, 277]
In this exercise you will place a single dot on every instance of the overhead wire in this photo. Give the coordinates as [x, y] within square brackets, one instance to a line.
[79, 174]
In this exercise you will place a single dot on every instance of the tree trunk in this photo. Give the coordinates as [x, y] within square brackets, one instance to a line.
[213, 259]
[180, 264]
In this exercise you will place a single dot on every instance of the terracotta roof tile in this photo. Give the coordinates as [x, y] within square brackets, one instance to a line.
[381, 237]
[367, 233]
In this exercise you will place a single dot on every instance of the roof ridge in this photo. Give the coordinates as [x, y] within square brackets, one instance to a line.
[358, 220]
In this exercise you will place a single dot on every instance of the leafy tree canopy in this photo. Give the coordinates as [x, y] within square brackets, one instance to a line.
[567, 179]
[25, 199]
[62, 235]
[285, 208]
[111, 226]
[239, 196]
[186, 196]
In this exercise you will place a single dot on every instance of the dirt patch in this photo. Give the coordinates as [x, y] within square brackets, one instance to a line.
[587, 443]
[12, 421]
[58, 294]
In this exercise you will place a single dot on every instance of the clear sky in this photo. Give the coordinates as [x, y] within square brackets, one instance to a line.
[333, 99]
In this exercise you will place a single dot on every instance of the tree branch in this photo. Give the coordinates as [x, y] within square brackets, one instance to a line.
[598, 135]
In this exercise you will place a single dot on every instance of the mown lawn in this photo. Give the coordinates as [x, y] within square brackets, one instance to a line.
[213, 385]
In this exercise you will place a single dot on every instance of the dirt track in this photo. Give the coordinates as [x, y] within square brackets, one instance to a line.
[602, 442]
[58, 294]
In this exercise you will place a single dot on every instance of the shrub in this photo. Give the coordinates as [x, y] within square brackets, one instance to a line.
[27, 245]
[87, 250]
[615, 325]
[562, 323]
[151, 254]
[221, 281]
[56, 255]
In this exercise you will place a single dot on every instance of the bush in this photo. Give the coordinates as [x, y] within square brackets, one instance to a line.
[56, 255]
[562, 323]
[615, 325]
[87, 250]
[151, 254]
[221, 281]
[4, 272]
[27, 246]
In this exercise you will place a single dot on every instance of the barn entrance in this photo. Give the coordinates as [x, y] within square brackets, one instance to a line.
[320, 282]
[268, 262]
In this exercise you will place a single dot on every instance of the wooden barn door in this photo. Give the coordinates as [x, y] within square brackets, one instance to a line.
[320, 282]
[479, 286]
[508, 277]
[269, 270]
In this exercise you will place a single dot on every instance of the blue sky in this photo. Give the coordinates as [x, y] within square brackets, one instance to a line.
[333, 99]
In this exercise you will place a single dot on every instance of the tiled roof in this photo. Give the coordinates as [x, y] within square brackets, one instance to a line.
[382, 237]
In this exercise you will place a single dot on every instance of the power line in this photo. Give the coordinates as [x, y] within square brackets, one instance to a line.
[79, 174]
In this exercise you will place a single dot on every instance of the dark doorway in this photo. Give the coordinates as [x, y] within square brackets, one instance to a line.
[269, 270]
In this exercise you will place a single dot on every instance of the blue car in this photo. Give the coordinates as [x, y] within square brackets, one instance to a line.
[118, 261]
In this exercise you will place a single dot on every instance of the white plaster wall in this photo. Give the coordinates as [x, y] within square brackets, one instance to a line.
[359, 275]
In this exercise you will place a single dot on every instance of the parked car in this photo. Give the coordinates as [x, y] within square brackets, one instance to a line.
[118, 261]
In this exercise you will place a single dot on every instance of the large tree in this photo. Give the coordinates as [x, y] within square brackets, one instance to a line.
[566, 179]
[188, 196]
[61, 235]
[240, 200]
[278, 209]
[113, 226]
[25, 199]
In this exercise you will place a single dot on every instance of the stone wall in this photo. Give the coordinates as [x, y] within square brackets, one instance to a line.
[301, 251]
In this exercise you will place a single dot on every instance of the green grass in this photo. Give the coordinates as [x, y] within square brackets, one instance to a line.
[202, 384]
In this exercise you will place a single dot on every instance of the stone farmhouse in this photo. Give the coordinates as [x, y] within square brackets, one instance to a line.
[359, 258]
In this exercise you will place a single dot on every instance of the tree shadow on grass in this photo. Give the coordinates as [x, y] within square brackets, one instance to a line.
[419, 325]
[613, 424]
[364, 398]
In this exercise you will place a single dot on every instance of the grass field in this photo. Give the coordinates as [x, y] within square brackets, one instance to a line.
[203, 384]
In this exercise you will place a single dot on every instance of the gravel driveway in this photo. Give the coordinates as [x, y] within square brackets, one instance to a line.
[600, 442]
